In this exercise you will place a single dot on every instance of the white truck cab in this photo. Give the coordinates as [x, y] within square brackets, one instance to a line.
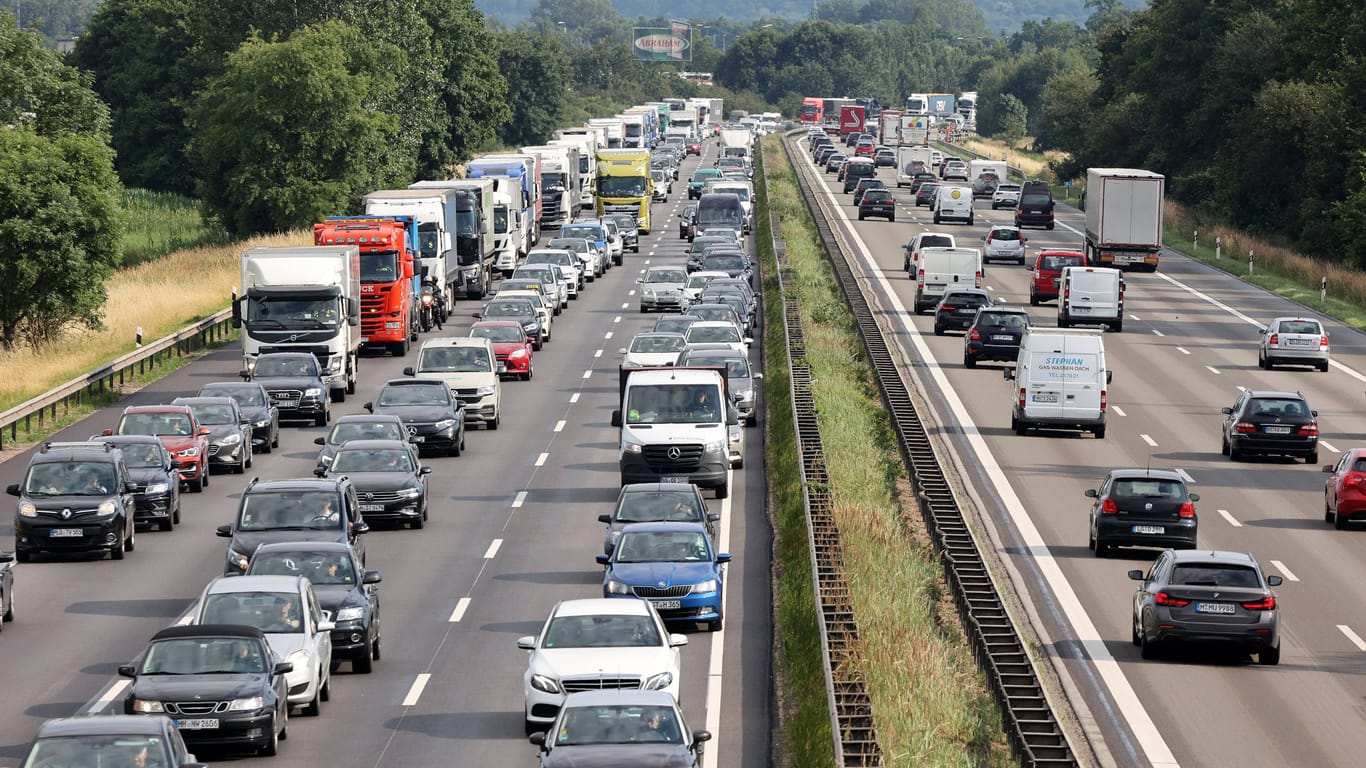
[1060, 381]
[472, 371]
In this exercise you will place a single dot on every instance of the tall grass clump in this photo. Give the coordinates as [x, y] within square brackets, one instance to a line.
[158, 223]
[930, 703]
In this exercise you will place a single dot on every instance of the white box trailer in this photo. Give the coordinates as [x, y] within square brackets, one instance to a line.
[1124, 217]
[910, 160]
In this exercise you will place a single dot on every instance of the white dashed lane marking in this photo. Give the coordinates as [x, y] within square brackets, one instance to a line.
[1233, 521]
[521, 498]
[1354, 637]
[1289, 576]
[1118, 411]
[461, 605]
[415, 692]
[1151, 442]
[492, 551]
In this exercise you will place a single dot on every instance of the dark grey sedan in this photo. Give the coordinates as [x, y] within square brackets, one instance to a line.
[1142, 508]
[255, 403]
[6, 586]
[229, 431]
[657, 503]
[390, 484]
[620, 729]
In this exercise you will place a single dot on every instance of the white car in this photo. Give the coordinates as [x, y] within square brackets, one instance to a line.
[557, 278]
[596, 644]
[591, 261]
[653, 350]
[1005, 196]
[698, 281]
[286, 610]
[718, 332]
[1004, 242]
[566, 261]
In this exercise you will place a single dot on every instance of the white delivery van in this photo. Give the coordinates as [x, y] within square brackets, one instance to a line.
[1091, 296]
[1060, 381]
[953, 204]
[678, 425]
[470, 368]
[939, 269]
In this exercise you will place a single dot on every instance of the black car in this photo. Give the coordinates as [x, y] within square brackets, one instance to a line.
[305, 509]
[255, 403]
[101, 740]
[700, 245]
[433, 416]
[884, 158]
[295, 385]
[856, 169]
[359, 426]
[925, 193]
[221, 685]
[390, 484]
[1142, 508]
[958, 308]
[877, 202]
[156, 494]
[518, 310]
[994, 335]
[732, 263]
[922, 178]
[687, 222]
[629, 229]
[1036, 205]
[6, 587]
[1270, 424]
[229, 431]
[345, 590]
[75, 498]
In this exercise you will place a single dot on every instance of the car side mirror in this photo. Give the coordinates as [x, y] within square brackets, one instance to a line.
[621, 351]
[1274, 581]
[677, 640]
[1261, 331]
[700, 736]
[537, 738]
[1194, 497]
[225, 531]
[1328, 468]
[424, 470]
[713, 517]
[319, 471]
[282, 668]
[1109, 376]
[1315, 414]
[361, 527]
[722, 558]
[1226, 411]
[320, 441]
[127, 670]
[478, 315]
[1136, 575]
[12, 489]
[372, 577]
[527, 642]
[605, 519]
[409, 371]
[1090, 493]
[326, 626]
[603, 559]
[616, 418]
[245, 374]
[369, 407]
[1008, 374]
[203, 431]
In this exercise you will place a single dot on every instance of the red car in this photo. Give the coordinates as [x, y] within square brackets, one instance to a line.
[694, 146]
[179, 432]
[1344, 494]
[865, 149]
[1043, 283]
[510, 345]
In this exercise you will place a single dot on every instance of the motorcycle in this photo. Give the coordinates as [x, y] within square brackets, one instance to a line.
[433, 306]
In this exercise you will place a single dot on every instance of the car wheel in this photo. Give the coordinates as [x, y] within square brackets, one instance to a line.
[1323, 367]
[536, 345]
[1312, 458]
[284, 722]
[1234, 454]
[22, 556]
[132, 537]
[714, 626]
[1223, 445]
[275, 438]
[1269, 656]
[456, 447]
[322, 418]
[722, 491]
[1101, 548]
[325, 692]
[420, 521]
[9, 606]
[363, 664]
[860, 217]
[1328, 514]
[969, 361]
[1033, 300]
[1147, 648]
[1099, 432]
[117, 552]
[271, 747]
[1340, 521]
[1134, 636]
[1261, 361]
[1021, 427]
[242, 464]
[313, 708]
[166, 523]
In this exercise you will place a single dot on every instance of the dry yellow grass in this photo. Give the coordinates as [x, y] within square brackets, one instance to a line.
[161, 296]
[1031, 164]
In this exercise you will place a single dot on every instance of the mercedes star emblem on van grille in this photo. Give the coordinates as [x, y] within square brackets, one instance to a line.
[675, 453]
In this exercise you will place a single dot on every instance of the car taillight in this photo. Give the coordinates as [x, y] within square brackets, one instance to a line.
[1102, 401]
[920, 275]
[1244, 427]
[1109, 507]
[1162, 598]
[1022, 397]
[1311, 430]
[1273, 340]
[979, 280]
[975, 335]
[1187, 509]
[1267, 603]
[1323, 341]
[1352, 481]
[988, 238]
[948, 306]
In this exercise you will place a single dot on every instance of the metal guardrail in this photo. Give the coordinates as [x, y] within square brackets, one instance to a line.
[1031, 727]
[851, 708]
[59, 400]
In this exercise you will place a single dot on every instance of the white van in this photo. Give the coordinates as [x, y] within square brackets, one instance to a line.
[939, 269]
[471, 369]
[1091, 296]
[1060, 381]
[953, 204]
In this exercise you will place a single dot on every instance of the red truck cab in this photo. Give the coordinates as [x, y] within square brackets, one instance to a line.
[178, 430]
[389, 289]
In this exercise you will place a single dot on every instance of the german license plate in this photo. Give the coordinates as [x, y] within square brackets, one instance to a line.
[1002, 337]
[1303, 342]
[201, 724]
[675, 479]
[1044, 397]
[284, 403]
[372, 507]
[1224, 608]
[416, 439]
[1276, 430]
[665, 605]
[1150, 529]
[1080, 310]
[65, 533]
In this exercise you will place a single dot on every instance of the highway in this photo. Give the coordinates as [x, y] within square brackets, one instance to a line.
[1188, 347]
[513, 529]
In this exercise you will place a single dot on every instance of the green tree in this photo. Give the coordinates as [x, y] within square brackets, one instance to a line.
[290, 132]
[472, 93]
[537, 72]
[1014, 118]
[1065, 114]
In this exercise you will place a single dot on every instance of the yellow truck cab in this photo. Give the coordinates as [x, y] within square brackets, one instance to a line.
[625, 185]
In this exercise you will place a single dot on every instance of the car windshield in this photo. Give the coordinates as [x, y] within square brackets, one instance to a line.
[712, 333]
[577, 245]
[723, 263]
[1215, 575]
[618, 724]
[1002, 319]
[698, 281]
[101, 750]
[372, 460]
[877, 196]
[329, 568]
[588, 233]
[422, 394]
[601, 632]
[155, 424]
[658, 344]
[666, 276]
[675, 323]
[246, 397]
[306, 510]
[205, 656]
[673, 403]
[276, 612]
[286, 366]
[1148, 488]
[141, 456]
[454, 360]
[659, 506]
[662, 547]
[365, 431]
[621, 186]
[509, 309]
[965, 299]
[713, 313]
[214, 415]
[71, 478]
[498, 333]
[563, 259]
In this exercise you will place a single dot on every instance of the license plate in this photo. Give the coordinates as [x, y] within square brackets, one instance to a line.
[1080, 310]
[286, 403]
[372, 507]
[65, 533]
[416, 439]
[665, 605]
[1055, 282]
[1303, 342]
[1224, 608]
[202, 724]
[1151, 529]
[967, 310]
[675, 479]
[1002, 337]
[1278, 430]
[1046, 397]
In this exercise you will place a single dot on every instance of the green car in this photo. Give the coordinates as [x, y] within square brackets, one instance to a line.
[699, 181]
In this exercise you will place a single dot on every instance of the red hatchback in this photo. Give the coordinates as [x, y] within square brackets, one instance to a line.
[865, 149]
[1043, 283]
[1344, 494]
[510, 345]
[179, 432]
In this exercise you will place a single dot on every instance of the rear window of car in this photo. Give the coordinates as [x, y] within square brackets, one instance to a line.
[1056, 263]
[1002, 319]
[1267, 406]
[877, 196]
[1035, 199]
[1215, 575]
[936, 241]
[1005, 234]
[1147, 487]
[1299, 326]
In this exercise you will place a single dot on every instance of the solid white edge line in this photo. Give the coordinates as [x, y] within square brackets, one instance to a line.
[461, 605]
[415, 692]
[718, 641]
[1354, 637]
[1151, 442]
[1233, 521]
[1088, 637]
[1289, 575]
[517, 502]
[1118, 411]
[115, 690]
[540, 460]
[1185, 476]
[492, 551]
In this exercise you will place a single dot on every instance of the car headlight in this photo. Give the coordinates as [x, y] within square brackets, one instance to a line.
[155, 488]
[631, 448]
[485, 391]
[704, 586]
[147, 707]
[108, 508]
[313, 392]
[246, 704]
[350, 613]
[237, 560]
[261, 423]
[232, 439]
[299, 659]
[26, 509]
[744, 394]
[615, 587]
[715, 447]
[659, 682]
[188, 452]
[517, 354]
[410, 493]
[534, 325]
[445, 424]
[650, 292]
[614, 537]
[545, 684]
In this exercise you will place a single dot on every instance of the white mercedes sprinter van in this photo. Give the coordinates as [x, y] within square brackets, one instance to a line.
[1060, 381]
[939, 269]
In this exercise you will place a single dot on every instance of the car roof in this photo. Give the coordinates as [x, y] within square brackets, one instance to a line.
[712, 324]
[663, 527]
[166, 408]
[1271, 393]
[495, 324]
[972, 291]
[1214, 556]
[292, 484]
[371, 418]
[105, 725]
[415, 382]
[1296, 318]
[87, 451]
[127, 439]
[1004, 227]
[657, 335]
[650, 487]
[1159, 474]
[203, 400]
[596, 606]
[226, 585]
[210, 630]
[216, 385]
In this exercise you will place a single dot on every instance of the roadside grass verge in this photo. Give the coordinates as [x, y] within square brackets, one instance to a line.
[930, 703]
[159, 223]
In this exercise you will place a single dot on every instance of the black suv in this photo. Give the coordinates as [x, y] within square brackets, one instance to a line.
[1036, 205]
[295, 384]
[994, 335]
[1142, 508]
[156, 494]
[306, 509]
[434, 417]
[958, 308]
[1270, 424]
[74, 498]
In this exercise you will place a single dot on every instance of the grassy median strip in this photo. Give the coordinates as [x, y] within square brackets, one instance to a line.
[930, 703]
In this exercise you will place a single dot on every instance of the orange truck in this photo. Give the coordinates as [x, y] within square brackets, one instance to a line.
[390, 282]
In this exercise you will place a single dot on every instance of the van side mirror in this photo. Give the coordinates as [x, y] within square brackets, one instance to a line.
[616, 418]
[1109, 376]
[1008, 374]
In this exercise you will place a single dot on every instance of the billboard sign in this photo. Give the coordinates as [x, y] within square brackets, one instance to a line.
[672, 43]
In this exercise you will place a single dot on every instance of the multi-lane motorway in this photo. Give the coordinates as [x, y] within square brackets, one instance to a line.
[513, 529]
[1188, 347]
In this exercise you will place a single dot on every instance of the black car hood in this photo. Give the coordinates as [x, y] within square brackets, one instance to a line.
[379, 481]
[191, 687]
[217, 432]
[288, 382]
[618, 756]
[147, 475]
[58, 503]
[420, 414]
[333, 596]
[254, 412]
[246, 542]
